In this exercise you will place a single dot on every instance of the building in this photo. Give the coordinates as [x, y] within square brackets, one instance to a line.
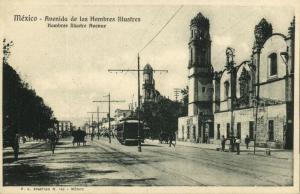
[121, 114]
[198, 125]
[150, 94]
[241, 95]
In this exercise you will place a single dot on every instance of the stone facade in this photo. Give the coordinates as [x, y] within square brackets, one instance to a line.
[197, 126]
[252, 98]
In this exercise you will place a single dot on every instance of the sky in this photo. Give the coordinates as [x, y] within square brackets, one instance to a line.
[69, 67]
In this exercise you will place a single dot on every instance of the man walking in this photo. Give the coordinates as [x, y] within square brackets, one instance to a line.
[247, 141]
[171, 138]
[237, 143]
[223, 140]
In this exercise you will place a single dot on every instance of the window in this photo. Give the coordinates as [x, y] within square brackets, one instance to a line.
[191, 53]
[182, 132]
[211, 130]
[194, 132]
[218, 131]
[226, 86]
[188, 132]
[251, 130]
[238, 126]
[244, 82]
[228, 130]
[272, 64]
[203, 89]
[271, 130]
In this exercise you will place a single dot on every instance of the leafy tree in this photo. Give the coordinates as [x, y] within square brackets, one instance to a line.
[185, 100]
[162, 116]
[24, 112]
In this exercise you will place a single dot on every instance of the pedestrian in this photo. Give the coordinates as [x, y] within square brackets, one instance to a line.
[223, 141]
[52, 138]
[84, 134]
[206, 139]
[92, 135]
[172, 137]
[247, 141]
[75, 137]
[232, 143]
[80, 136]
[237, 144]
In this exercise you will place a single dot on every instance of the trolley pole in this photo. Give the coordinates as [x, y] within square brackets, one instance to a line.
[139, 106]
[139, 101]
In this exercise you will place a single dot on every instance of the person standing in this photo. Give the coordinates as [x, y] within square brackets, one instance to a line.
[247, 141]
[237, 144]
[223, 140]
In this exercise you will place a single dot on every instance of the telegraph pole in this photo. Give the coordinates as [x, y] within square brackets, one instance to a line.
[176, 93]
[138, 70]
[98, 122]
[109, 101]
[92, 125]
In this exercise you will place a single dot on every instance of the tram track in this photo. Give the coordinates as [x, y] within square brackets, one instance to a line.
[171, 173]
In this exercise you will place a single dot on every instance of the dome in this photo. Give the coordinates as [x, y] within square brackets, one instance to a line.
[200, 21]
[148, 67]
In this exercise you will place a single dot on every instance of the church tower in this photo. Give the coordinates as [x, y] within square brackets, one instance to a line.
[148, 85]
[200, 75]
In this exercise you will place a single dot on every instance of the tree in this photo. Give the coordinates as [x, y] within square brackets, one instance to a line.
[185, 100]
[162, 116]
[24, 112]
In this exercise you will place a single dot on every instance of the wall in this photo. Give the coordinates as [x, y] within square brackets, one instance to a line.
[244, 116]
[275, 44]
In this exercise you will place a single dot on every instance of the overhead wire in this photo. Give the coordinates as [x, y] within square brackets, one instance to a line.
[149, 42]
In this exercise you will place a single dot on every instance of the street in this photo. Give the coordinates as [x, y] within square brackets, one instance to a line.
[102, 164]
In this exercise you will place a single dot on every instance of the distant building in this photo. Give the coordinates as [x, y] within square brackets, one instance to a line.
[121, 114]
[149, 93]
[231, 101]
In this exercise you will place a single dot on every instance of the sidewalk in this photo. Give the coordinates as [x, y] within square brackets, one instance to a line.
[259, 151]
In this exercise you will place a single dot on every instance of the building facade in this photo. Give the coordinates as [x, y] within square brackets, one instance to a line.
[198, 125]
[254, 97]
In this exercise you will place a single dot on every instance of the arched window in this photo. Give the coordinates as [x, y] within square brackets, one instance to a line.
[244, 82]
[272, 60]
[226, 86]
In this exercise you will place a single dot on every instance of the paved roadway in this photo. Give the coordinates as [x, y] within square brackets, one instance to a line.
[100, 163]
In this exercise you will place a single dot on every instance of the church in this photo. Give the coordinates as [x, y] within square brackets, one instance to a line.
[254, 97]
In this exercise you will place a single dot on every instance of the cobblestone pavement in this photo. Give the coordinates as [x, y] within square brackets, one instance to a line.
[100, 163]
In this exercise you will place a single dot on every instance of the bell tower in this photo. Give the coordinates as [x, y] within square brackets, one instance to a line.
[200, 75]
[149, 84]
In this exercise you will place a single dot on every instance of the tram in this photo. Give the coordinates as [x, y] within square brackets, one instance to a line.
[126, 131]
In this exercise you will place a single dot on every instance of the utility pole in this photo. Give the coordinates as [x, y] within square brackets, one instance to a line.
[176, 93]
[109, 101]
[89, 125]
[257, 100]
[138, 70]
[92, 125]
[98, 122]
